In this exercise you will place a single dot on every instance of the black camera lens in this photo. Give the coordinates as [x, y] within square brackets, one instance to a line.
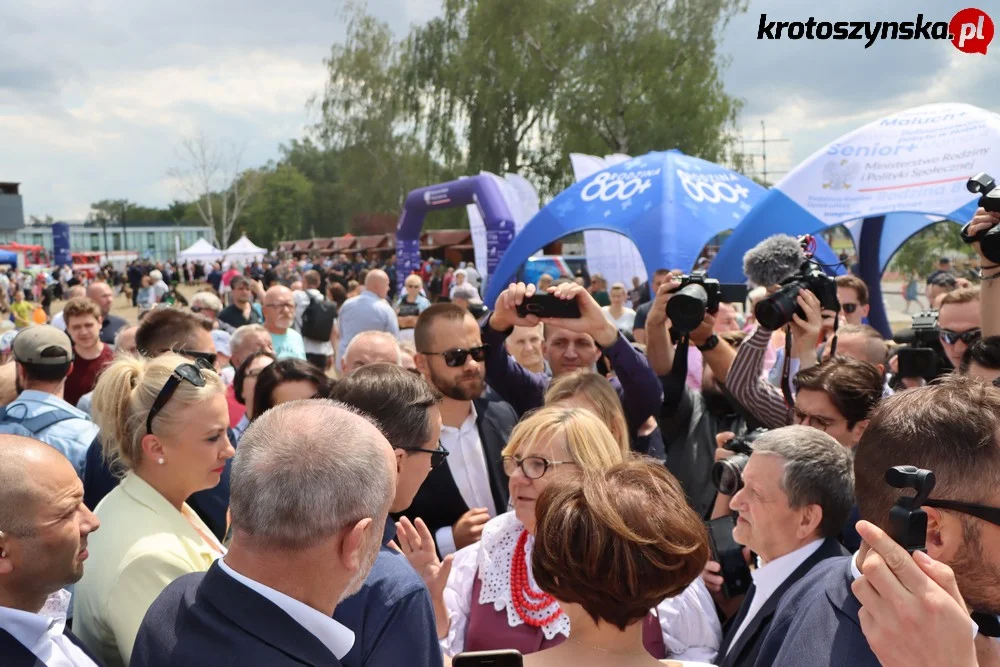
[776, 310]
[686, 308]
[727, 474]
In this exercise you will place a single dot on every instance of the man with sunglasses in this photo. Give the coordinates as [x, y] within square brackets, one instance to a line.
[950, 428]
[392, 615]
[470, 487]
[959, 322]
[569, 344]
[852, 292]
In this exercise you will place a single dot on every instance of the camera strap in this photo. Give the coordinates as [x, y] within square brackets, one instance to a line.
[786, 369]
[674, 383]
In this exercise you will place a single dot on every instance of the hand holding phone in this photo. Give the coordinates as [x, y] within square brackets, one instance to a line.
[488, 659]
[548, 305]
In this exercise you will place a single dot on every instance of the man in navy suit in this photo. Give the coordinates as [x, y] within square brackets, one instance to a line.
[798, 488]
[311, 487]
[951, 429]
[43, 544]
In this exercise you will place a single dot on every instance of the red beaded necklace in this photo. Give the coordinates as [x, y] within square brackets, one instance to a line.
[521, 595]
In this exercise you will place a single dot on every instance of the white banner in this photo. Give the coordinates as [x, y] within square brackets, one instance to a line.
[915, 161]
[522, 200]
[612, 255]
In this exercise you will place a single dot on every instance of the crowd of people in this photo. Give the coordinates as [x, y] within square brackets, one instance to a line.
[298, 466]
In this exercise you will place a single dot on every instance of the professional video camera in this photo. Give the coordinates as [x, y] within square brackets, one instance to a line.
[776, 310]
[698, 295]
[921, 357]
[989, 239]
[727, 474]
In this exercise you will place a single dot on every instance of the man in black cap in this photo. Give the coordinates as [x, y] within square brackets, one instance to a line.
[44, 357]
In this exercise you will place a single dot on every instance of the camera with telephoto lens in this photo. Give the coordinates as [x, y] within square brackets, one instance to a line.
[696, 296]
[727, 474]
[776, 310]
[989, 239]
[921, 357]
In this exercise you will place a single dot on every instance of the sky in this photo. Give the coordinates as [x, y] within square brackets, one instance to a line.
[96, 96]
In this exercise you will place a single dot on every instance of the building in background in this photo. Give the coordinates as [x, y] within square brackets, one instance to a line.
[11, 207]
[153, 240]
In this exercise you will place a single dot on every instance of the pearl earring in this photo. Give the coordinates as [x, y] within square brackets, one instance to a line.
[161, 460]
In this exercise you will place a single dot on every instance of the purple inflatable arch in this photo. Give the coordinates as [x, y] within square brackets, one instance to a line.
[479, 190]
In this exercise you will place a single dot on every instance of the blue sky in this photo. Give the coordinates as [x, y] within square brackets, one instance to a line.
[96, 95]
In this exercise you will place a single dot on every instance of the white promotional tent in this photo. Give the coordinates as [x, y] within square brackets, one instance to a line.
[244, 250]
[200, 251]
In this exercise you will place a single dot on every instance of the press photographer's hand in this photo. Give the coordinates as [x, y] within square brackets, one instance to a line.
[982, 221]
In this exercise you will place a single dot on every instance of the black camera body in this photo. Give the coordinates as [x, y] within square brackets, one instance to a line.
[922, 358]
[989, 240]
[727, 474]
[776, 310]
[907, 521]
[698, 294]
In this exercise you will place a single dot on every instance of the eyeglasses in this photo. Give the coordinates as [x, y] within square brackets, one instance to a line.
[188, 372]
[458, 356]
[437, 455]
[284, 305]
[968, 337]
[817, 422]
[208, 357]
[849, 307]
[984, 512]
[533, 467]
[199, 309]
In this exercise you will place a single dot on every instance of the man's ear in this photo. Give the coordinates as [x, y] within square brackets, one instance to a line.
[859, 428]
[809, 520]
[352, 546]
[945, 535]
[422, 365]
[6, 562]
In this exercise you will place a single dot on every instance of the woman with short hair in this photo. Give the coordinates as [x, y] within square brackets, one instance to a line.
[288, 380]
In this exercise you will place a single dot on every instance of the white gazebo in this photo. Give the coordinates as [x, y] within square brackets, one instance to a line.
[244, 250]
[200, 251]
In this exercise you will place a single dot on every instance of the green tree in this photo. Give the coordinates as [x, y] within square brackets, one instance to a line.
[921, 251]
[277, 211]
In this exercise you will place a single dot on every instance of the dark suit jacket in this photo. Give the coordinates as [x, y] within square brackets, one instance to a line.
[15, 654]
[438, 502]
[211, 620]
[744, 652]
[817, 624]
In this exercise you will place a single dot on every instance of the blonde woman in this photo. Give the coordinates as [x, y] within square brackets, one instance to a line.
[163, 421]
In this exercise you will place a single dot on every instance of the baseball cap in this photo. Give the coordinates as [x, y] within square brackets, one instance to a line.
[43, 345]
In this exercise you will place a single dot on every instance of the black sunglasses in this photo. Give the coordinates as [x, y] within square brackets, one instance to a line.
[849, 307]
[968, 337]
[189, 372]
[458, 356]
[984, 512]
[208, 357]
[437, 455]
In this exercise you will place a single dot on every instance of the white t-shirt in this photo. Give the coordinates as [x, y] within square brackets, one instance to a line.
[625, 322]
[302, 300]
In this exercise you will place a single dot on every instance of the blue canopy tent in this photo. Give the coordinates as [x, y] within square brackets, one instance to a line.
[668, 203]
[915, 162]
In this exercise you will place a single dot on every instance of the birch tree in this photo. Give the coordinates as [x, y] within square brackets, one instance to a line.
[210, 174]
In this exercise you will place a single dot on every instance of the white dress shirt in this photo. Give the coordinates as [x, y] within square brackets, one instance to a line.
[467, 463]
[43, 633]
[332, 634]
[769, 577]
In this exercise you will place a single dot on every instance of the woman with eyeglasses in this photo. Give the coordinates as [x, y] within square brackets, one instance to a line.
[288, 380]
[163, 426]
[490, 601]
[245, 385]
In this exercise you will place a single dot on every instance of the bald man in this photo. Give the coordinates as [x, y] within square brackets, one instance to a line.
[279, 315]
[369, 311]
[101, 293]
[371, 347]
[43, 546]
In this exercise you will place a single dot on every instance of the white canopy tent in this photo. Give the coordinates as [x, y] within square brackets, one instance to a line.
[200, 251]
[244, 250]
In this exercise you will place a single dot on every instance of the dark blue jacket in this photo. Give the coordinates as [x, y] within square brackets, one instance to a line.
[392, 615]
[817, 624]
[15, 654]
[211, 620]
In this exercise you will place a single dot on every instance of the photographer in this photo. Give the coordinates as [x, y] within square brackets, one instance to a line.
[569, 344]
[982, 360]
[798, 487]
[959, 322]
[689, 427]
[950, 428]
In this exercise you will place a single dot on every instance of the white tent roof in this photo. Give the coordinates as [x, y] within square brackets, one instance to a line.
[244, 250]
[201, 250]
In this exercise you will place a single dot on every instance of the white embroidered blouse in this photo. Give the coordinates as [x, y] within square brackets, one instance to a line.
[690, 626]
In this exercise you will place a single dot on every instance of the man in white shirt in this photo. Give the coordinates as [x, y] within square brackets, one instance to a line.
[43, 545]
[74, 292]
[798, 490]
[318, 352]
[270, 601]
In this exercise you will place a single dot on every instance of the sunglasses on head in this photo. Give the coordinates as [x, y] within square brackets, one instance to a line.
[458, 356]
[968, 337]
[185, 372]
